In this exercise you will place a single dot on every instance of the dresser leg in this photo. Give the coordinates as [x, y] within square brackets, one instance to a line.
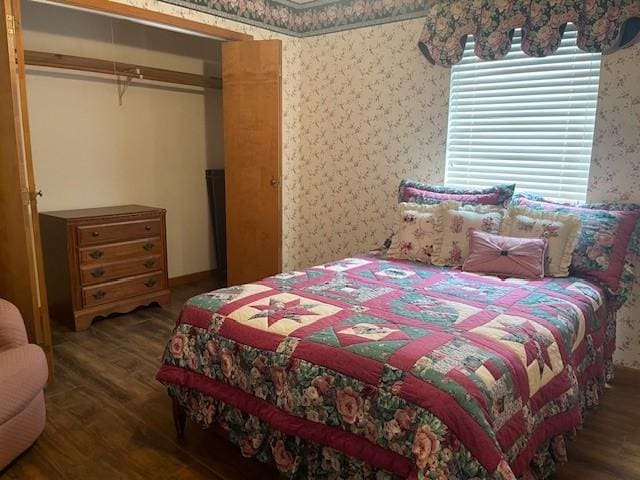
[164, 298]
[82, 322]
[179, 417]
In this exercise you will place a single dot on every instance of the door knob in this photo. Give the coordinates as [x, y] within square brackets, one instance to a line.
[35, 194]
[274, 182]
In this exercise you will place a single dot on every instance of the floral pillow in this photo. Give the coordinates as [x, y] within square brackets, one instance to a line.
[602, 248]
[415, 233]
[628, 277]
[560, 229]
[453, 230]
[418, 192]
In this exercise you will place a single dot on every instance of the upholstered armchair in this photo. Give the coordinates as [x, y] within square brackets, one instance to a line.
[23, 376]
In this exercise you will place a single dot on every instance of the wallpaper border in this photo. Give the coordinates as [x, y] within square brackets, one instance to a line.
[363, 24]
[314, 18]
[302, 6]
[193, 5]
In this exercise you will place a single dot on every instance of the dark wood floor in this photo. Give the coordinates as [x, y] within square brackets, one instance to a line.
[109, 419]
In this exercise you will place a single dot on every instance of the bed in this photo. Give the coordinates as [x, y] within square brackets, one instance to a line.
[375, 368]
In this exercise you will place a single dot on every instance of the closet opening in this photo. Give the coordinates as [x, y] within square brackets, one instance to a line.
[118, 115]
[121, 114]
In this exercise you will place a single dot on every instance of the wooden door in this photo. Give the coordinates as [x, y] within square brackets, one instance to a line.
[252, 107]
[21, 272]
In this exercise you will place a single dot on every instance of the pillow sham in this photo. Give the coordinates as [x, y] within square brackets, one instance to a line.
[520, 257]
[453, 226]
[418, 192]
[629, 270]
[415, 233]
[560, 229]
[602, 247]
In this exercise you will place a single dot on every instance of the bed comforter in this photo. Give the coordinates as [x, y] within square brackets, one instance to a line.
[366, 367]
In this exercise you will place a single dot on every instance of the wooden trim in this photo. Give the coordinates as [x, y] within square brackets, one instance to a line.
[191, 278]
[108, 67]
[19, 274]
[142, 14]
[43, 324]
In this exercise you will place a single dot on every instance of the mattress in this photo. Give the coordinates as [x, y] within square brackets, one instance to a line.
[373, 368]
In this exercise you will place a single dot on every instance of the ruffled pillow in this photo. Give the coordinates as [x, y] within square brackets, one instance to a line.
[415, 234]
[560, 229]
[453, 230]
[424, 193]
[603, 245]
[506, 256]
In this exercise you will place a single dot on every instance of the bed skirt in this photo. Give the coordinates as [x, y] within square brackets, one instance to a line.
[299, 459]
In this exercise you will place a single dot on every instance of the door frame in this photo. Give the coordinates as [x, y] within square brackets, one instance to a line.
[154, 18]
[21, 279]
[117, 10]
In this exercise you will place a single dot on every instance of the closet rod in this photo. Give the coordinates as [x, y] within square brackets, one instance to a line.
[71, 62]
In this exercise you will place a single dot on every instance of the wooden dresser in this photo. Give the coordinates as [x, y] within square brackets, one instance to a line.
[103, 260]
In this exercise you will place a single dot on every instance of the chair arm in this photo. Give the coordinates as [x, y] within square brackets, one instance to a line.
[23, 374]
[12, 330]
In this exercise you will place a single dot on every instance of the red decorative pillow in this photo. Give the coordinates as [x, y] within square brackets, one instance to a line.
[418, 192]
[505, 256]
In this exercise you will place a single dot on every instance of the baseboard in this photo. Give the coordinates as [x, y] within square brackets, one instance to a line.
[191, 278]
[626, 375]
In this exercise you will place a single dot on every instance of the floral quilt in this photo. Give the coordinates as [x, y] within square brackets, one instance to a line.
[409, 371]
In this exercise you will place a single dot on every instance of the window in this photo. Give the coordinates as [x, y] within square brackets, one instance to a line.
[524, 120]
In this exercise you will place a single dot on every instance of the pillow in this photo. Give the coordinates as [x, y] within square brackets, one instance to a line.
[602, 245]
[509, 256]
[418, 192]
[413, 239]
[560, 229]
[628, 277]
[453, 227]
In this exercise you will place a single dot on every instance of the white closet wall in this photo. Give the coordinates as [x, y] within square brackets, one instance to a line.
[89, 151]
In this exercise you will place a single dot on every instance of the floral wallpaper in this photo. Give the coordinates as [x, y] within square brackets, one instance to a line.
[311, 17]
[358, 120]
[372, 115]
[615, 168]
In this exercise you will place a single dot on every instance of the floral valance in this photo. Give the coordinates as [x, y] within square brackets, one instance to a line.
[603, 26]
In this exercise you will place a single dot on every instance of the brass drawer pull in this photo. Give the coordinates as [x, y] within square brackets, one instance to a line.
[99, 294]
[96, 254]
[150, 283]
[149, 263]
[148, 246]
[147, 227]
[98, 272]
[95, 234]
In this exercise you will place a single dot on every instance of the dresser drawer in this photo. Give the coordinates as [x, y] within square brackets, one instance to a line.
[120, 251]
[121, 289]
[100, 273]
[118, 232]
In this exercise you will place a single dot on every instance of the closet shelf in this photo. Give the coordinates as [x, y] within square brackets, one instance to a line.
[108, 67]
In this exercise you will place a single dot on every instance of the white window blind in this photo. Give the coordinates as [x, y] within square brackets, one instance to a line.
[524, 120]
